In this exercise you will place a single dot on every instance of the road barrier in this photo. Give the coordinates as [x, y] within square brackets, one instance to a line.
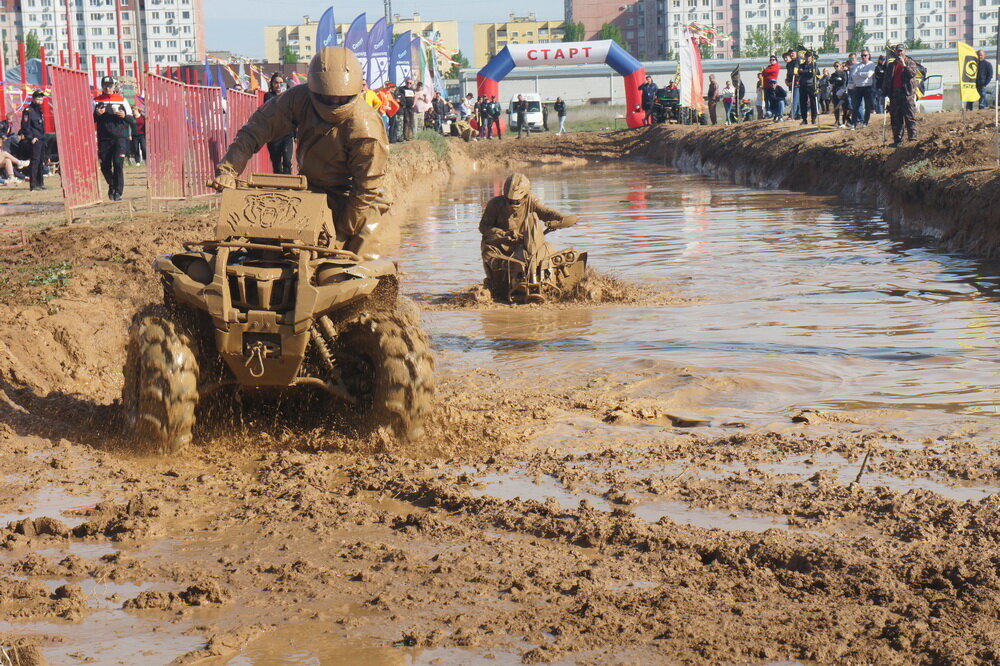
[77, 139]
[165, 138]
[240, 107]
[206, 133]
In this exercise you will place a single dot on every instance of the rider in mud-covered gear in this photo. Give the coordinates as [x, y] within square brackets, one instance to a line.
[342, 145]
[507, 218]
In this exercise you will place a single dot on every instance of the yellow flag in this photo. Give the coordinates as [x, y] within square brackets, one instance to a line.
[968, 68]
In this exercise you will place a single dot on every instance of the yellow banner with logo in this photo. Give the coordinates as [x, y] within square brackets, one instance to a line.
[968, 69]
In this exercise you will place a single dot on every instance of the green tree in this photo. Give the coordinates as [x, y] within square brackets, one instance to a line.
[32, 47]
[463, 63]
[829, 40]
[707, 51]
[756, 43]
[289, 57]
[611, 31]
[917, 43]
[858, 37]
[786, 37]
[574, 32]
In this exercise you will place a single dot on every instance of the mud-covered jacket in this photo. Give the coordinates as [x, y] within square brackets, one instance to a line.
[503, 221]
[909, 74]
[345, 156]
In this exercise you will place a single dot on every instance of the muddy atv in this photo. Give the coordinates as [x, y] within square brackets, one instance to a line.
[534, 271]
[267, 305]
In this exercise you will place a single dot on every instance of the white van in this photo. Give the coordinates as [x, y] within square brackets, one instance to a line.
[535, 120]
[932, 100]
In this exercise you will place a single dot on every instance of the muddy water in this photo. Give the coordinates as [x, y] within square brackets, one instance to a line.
[790, 301]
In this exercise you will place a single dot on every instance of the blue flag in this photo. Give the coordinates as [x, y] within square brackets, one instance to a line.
[326, 32]
[221, 77]
[400, 67]
[378, 54]
[209, 81]
[356, 40]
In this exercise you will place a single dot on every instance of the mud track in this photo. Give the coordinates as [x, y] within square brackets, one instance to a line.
[647, 535]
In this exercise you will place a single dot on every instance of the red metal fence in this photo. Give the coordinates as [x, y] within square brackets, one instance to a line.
[206, 133]
[166, 137]
[241, 107]
[73, 112]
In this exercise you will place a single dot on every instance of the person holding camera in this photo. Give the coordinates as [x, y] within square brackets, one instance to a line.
[111, 113]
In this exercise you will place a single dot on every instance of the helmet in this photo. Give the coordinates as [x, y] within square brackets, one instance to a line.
[516, 187]
[108, 81]
[335, 71]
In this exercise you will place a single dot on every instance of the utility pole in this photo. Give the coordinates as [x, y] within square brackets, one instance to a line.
[388, 13]
[121, 47]
[69, 34]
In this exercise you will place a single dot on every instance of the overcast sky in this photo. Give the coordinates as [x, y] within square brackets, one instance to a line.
[238, 25]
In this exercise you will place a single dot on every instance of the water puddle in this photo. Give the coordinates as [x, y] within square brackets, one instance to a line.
[54, 502]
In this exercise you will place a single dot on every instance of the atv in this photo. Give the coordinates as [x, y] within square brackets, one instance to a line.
[533, 271]
[269, 304]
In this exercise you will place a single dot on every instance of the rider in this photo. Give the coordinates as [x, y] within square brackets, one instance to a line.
[342, 148]
[507, 218]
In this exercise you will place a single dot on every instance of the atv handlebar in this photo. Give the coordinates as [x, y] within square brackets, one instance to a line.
[347, 254]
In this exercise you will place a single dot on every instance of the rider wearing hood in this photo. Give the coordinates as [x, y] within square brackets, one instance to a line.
[506, 218]
[342, 145]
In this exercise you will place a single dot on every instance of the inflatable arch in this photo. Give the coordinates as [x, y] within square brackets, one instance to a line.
[568, 53]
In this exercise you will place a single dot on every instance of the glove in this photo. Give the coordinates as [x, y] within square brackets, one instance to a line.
[567, 221]
[224, 179]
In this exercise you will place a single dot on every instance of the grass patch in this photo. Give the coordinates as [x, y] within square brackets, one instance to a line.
[438, 143]
[53, 280]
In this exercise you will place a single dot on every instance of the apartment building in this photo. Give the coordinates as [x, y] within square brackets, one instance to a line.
[157, 32]
[653, 29]
[8, 30]
[488, 39]
[301, 37]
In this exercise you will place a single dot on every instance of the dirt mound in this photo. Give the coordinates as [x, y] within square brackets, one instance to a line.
[596, 288]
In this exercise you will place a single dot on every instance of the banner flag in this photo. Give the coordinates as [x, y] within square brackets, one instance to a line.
[209, 80]
[356, 40]
[400, 67]
[326, 31]
[691, 74]
[378, 54]
[221, 78]
[968, 70]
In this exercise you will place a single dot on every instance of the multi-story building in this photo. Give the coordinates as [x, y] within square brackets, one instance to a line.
[653, 29]
[488, 39]
[157, 32]
[8, 31]
[301, 38]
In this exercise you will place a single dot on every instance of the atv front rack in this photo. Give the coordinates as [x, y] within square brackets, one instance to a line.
[328, 251]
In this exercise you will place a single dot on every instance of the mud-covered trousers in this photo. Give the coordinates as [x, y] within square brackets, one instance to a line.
[903, 112]
[38, 156]
[111, 152]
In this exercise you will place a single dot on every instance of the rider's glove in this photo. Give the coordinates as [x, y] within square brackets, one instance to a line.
[224, 179]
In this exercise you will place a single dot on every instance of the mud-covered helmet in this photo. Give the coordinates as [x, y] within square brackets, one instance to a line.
[516, 187]
[335, 72]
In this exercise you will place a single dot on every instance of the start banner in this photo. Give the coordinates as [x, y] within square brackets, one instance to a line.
[560, 53]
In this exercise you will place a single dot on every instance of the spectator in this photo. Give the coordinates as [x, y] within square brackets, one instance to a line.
[560, 109]
[900, 86]
[713, 99]
[111, 110]
[863, 93]
[727, 100]
[778, 97]
[545, 116]
[838, 91]
[280, 150]
[792, 80]
[439, 107]
[139, 138]
[767, 75]
[879, 84]
[852, 60]
[421, 104]
[807, 89]
[493, 112]
[409, 97]
[983, 78]
[520, 108]
[33, 131]
[9, 166]
[824, 91]
[648, 90]
[466, 109]
[759, 99]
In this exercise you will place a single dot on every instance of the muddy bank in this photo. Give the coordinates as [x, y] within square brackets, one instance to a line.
[944, 185]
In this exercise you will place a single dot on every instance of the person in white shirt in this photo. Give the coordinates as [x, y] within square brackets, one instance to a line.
[862, 79]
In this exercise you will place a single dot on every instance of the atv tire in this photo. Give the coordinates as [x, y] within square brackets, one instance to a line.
[161, 381]
[387, 366]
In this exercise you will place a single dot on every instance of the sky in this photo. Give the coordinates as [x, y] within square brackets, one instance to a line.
[238, 25]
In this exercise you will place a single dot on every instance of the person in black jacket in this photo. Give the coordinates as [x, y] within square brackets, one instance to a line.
[807, 88]
[33, 128]
[983, 77]
[111, 112]
[280, 149]
[560, 109]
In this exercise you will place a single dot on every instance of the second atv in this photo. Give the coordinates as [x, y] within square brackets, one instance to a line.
[269, 304]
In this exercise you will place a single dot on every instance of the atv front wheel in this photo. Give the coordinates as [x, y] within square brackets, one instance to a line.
[387, 367]
[161, 382]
